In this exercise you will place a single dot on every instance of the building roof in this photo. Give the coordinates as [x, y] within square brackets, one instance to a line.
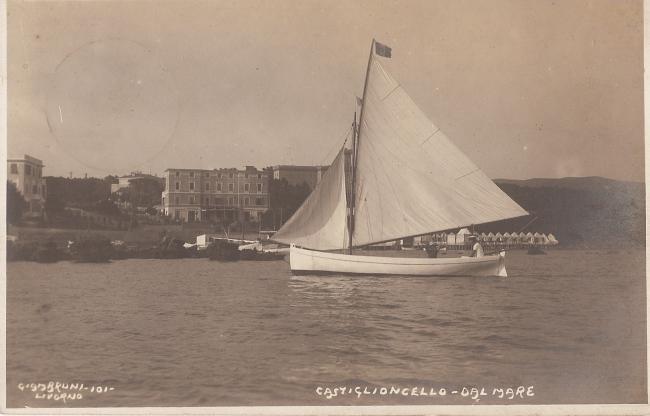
[26, 158]
[137, 175]
[298, 167]
[247, 169]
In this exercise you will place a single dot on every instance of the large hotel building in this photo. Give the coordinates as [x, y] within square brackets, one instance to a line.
[193, 195]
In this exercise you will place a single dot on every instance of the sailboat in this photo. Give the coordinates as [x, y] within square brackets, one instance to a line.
[405, 178]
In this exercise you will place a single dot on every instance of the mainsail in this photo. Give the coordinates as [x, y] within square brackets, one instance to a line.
[321, 221]
[410, 178]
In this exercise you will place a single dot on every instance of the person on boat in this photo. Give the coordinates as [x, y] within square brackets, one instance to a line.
[432, 250]
[477, 249]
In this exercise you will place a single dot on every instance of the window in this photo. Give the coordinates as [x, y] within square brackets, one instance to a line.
[246, 201]
[178, 200]
[178, 186]
[259, 187]
[230, 175]
[259, 201]
[231, 201]
[192, 199]
[177, 214]
[219, 176]
[28, 169]
[191, 174]
[191, 186]
[207, 201]
[206, 174]
[259, 176]
[247, 187]
[207, 186]
[231, 187]
[14, 168]
[178, 174]
[219, 187]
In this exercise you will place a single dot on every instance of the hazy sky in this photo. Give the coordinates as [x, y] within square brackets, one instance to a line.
[525, 88]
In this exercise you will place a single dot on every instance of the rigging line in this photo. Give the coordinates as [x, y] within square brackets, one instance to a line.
[390, 92]
[469, 173]
[430, 136]
[336, 146]
[526, 226]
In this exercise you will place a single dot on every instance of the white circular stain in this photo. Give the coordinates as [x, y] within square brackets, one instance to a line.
[112, 106]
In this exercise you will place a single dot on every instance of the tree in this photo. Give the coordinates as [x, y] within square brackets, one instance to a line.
[54, 205]
[285, 199]
[111, 179]
[105, 207]
[79, 192]
[144, 192]
[151, 211]
[16, 204]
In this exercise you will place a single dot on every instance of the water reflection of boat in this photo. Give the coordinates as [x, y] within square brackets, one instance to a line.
[406, 179]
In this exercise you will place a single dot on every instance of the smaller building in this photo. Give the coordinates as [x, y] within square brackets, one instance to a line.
[462, 236]
[27, 174]
[530, 238]
[124, 181]
[297, 175]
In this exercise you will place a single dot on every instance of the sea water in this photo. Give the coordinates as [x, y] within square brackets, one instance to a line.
[568, 327]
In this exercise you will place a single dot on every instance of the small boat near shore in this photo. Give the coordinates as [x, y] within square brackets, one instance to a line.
[534, 250]
[225, 250]
[401, 178]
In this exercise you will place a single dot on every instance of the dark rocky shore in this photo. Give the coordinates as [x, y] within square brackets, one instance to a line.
[99, 249]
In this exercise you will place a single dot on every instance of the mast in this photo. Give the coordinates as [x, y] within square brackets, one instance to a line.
[353, 163]
[355, 146]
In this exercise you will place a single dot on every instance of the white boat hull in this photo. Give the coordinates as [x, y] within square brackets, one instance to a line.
[304, 261]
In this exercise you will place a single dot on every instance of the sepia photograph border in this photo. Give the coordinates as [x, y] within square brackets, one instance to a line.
[591, 409]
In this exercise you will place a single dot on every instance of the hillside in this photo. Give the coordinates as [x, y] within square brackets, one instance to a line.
[580, 212]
